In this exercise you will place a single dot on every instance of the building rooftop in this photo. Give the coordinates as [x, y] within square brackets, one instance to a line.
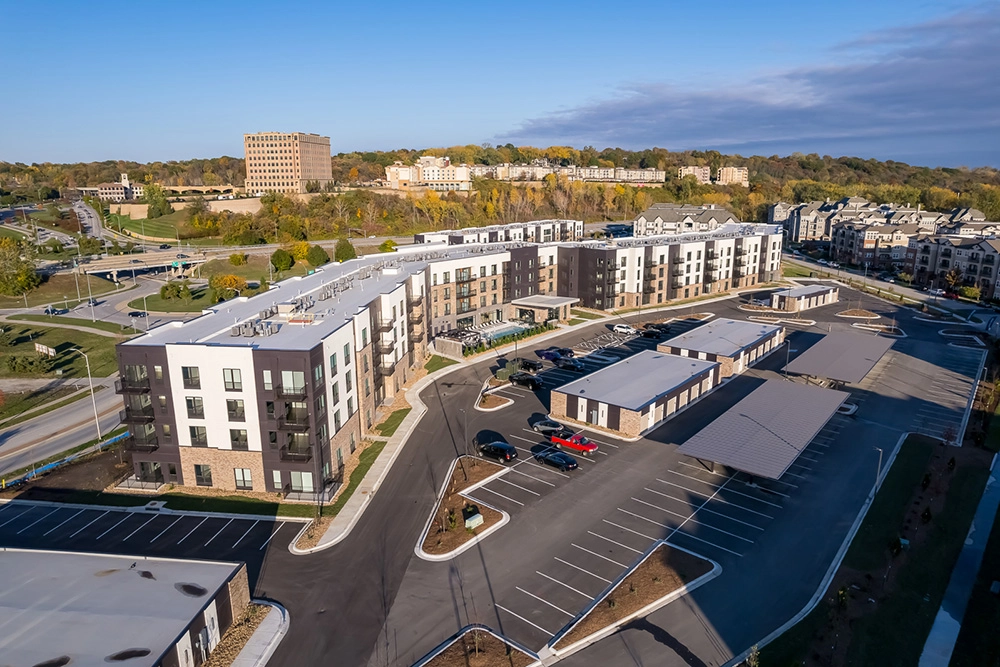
[90, 607]
[845, 356]
[545, 301]
[723, 336]
[805, 290]
[765, 432]
[635, 382]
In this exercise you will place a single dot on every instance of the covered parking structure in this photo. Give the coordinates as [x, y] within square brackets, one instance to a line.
[843, 356]
[543, 308]
[764, 433]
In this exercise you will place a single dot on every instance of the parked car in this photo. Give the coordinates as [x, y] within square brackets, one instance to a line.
[557, 459]
[822, 262]
[547, 426]
[526, 380]
[164, 246]
[548, 355]
[936, 292]
[566, 439]
[501, 451]
[531, 365]
[569, 365]
[834, 265]
[652, 333]
[624, 329]
[565, 352]
[661, 326]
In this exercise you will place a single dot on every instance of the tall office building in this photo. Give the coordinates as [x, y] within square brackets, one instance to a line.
[278, 162]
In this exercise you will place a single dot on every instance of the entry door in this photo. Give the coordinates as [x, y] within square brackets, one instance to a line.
[593, 417]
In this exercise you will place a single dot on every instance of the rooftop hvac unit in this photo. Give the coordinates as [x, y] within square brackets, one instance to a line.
[235, 331]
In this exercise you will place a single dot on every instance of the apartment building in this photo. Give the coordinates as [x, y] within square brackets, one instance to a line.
[970, 261]
[537, 172]
[434, 173]
[680, 218]
[876, 245]
[733, 176]
[286, 162]
[535, 231]
[703, 174]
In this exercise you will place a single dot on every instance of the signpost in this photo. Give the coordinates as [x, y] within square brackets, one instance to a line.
[45, 349]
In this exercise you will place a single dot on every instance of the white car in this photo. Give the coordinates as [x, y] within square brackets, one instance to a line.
[936, 292]
[823, 262]
[834, 265]
[625, 329]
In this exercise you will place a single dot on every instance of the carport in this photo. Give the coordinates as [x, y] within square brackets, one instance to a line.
[543, 308]
[844, 357]
[764, 433]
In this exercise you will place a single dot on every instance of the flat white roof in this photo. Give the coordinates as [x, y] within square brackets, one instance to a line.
[806, 290]
[90, 607]
[635, 382]
[765, 432]
[723, 336]
[544, 301]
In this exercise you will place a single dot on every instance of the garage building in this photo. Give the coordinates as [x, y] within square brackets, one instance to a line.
[635, 394]
[734, 344]
[798, 299]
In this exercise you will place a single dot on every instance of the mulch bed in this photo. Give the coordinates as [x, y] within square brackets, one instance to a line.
[494, 401]
[665, 571]
[480, 649]
[858, 313]
[448, 531]
[237, 635]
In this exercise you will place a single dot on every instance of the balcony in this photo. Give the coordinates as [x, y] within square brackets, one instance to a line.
[416, 317]
[416, 301]
[649, 289]
[143, 415]
[416, 336]
[677, 284]
[295, 420]
[464, 277]
[141, 443]
[294, 392]
[383, 325]
[386, 370]
[384, 347]
[465, 293]
[132, 386]
[465, 308]
[299, 455]
[677, 272]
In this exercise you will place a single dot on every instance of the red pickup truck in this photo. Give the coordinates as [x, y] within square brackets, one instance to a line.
[566, 439]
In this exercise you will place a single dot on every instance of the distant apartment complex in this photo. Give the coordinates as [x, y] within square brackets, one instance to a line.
[733, 176]
[703, 174]
[124, 190]
[273, 393]
[969, 261]
[680, 218]
[536, 231]
[286, 162]
[433, 173]
[539, 170]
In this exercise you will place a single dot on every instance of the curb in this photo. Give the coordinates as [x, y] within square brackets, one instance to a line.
[245, 659]
[166, 511]
[443, 646]
[874, 328]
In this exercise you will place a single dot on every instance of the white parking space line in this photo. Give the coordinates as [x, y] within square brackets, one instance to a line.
[699, 468]
[537, 627]
[594, 553]
[536, 441]
[16, 517]
[554, 472]
[79, 530]
[675, 530]
[245, 534]
[564, 585]
[5, 507]
[636, 532]
[217, 534]
[139, 528]
[272, 536]
[192, 530]
[62, 523]
[518, 486]
[705, 509]
[537, 479]
[623, 546]
[693, 520]
[160, 534]
[37, 520]
[544, 601]
[503, 392]
[577, 567]
[123, 520]
[486, 488]
[601, 442]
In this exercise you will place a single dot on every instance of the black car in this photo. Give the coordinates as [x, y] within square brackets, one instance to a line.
[501, 451]
[662, 327]
[164, 246]
[531, 365]
[652, 333]
[565, 352]
[137, 313]
[546, 426]
[557, 459]
[569, 365]
[526, 380]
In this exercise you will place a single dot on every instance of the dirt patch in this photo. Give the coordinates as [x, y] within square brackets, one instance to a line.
[753, 306]
[493, 401]
[480, 649]
[859, 313]
[237, 635]
[665, 571]
[448, 531]
[89, 473]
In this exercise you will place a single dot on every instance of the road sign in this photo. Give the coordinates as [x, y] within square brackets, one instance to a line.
[45, 349]
[175, 264]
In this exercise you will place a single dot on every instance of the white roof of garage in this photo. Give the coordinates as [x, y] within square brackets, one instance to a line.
[723, 336]
[765, 432]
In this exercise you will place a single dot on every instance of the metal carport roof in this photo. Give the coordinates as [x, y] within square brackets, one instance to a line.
[843, 356]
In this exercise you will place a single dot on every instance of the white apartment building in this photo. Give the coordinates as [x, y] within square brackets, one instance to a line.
[668, 218]
[734, 176]
[703, 174]
[434, 173]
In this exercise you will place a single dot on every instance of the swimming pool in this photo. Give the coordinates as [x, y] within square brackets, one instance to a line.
[500, 332]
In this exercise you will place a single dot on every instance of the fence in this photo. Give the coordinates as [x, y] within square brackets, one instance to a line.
[41, 470]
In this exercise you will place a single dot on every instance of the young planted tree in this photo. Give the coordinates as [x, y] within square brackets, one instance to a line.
[317, 256]
[344, 251]
[281, 260]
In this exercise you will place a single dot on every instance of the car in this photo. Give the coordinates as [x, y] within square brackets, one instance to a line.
[557, 459]
[569, 365]
[624, 329]
[847, 409]
[137, 313]
[181, 256]
[567, 439]
[822, 262]
[136, 261]
[652, 333]
[661, 326]
[531, 365]
[501, 451]
[834, 265]
[526, 380]
[546, 426]
[548, 355]
[91, 302]
[936, 292]
[565, 352]
[164, 246]
[796, 253]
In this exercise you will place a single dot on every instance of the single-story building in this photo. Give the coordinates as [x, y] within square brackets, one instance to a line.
[797, 299]
[735, 344]
[542, 308]
[635, 394]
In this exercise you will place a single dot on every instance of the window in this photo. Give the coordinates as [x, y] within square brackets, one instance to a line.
[368, 389]
[195, 407]
[347, 381]
[302, 482]
[336, 393]
[203, 475]
[336, 420]
[163, 402]
[333, 364]
[317, 374]
[321, 431]
[199, 436]
[268, 384]
[192, 378]
[158, 372]
[238, 439]
[447, 309]
[354, 445]
[293, 381]
[272, 439]
[234, 407]
[276, 479]
[320, 403]
[447, 277]
[364, 362]
[167, 434]
[350, 406]
[347, 354]
[364, 336]
[232, 378]
[368, 418]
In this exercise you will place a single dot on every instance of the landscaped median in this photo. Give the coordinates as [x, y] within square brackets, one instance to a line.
[446, 534]
[477, 646]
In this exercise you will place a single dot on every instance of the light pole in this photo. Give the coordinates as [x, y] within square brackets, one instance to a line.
[878, 473]
[90, 300]
[145, 310]
[90, 380]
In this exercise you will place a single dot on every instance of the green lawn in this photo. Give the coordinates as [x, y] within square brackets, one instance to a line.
[254, 270]
[576, 320]
[17, 402]
[795, 271]
[101, 350]
[58, 286]
[199, 301]
[437, 362]
[110, 327]
[164, 227]
[365, 461]
[12, 233]
[583, 314]
[391, 423]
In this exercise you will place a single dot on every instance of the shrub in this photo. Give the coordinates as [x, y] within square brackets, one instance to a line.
[387, 246]
[300, 251]
[175, 290]
[238, 259]
[282, 260]
[317, 256]
[344, 251]
[25, 364]
[969, 292]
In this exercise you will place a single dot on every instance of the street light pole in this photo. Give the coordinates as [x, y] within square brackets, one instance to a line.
[878, 473]
[90, 380]
[145, 309]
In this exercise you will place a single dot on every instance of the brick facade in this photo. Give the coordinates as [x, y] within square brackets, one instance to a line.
[223, 463]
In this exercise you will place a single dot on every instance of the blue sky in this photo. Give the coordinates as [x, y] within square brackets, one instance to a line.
[898, 79]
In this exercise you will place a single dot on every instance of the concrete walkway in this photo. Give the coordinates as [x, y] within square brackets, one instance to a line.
[941, 640]
[265, 639]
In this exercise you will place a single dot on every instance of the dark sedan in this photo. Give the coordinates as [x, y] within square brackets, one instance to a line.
[569, 365]
[501, 451]
[565, 352]
[557, 459]
[526, 380]
[652, 333]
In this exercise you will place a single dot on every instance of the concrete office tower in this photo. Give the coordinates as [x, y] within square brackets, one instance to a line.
[278, 162]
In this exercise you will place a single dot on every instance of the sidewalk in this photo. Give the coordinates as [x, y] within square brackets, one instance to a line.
[265, 639]
[941, 640]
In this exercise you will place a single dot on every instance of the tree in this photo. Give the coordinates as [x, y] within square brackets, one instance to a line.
[953, 277]
[387, 246]
[176, 290]
[905, 277]
[226, 286]
[281, 260]
[156, 201]
[344, 251]
[238, 259]
[317, 256]
[196, 207]
[312, 186]
[90, 245]
[299, 250]
[17, 267]
[969, 292]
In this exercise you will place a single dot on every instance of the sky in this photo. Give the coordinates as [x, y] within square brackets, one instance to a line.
[908, 80]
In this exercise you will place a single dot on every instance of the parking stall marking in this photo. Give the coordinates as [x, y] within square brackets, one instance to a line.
[535, 465]
[723, 500]
[705, 509]
[139, 528]
[486, 488]
[635, 532]
[544, 601]
[565, 585]
[220, 531]
[272, 536]
[88, 524]
[537, 479]
[192, 530]
[577, 567]
[17, 516]
[676, 529]
[120, 522]
[693, 520]
[594, 553]
[537, 627]
[62, 523]
[37, 520]
[160, 534]
[518, 486]
[245, 534]
[623, 546]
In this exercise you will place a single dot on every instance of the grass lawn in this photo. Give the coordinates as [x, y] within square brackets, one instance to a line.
[584, 314]
[164, 227]
[978, 641]
[795, 271]
[392, 422]
[12, 233]
[254, 270]
[365, 460]
[56, 287]
[199, 301]
[110, 327]
[17, 402]
[437, 362]
[101, 350]
[576, 320]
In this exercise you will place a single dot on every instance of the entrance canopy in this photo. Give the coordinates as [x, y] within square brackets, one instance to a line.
[544, 301]
[843, 356]
[765, 432]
